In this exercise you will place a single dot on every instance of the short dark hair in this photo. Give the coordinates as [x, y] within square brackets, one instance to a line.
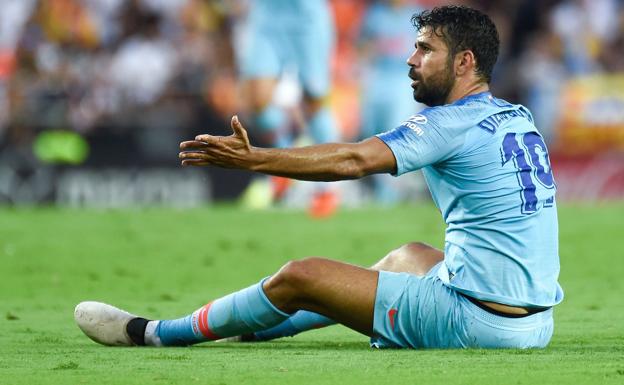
[464, 28]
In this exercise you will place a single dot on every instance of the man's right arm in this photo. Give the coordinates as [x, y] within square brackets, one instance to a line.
[323, 162]
[326, 162]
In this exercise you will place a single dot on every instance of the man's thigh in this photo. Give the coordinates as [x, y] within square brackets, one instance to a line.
[340, 291]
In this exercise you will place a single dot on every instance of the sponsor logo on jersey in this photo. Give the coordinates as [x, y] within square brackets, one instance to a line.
[418, 119]
[419, 131]
[413, 124]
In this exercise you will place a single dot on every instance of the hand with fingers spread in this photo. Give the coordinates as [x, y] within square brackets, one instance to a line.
[232, 151]
[321, 162]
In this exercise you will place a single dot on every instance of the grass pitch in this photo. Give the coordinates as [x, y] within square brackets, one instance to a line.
[166, 263]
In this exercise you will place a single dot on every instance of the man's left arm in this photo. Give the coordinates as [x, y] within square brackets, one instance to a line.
[323, 162]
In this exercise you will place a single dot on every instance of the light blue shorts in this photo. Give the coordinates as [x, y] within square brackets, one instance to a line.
[268, 52]
[421, 312]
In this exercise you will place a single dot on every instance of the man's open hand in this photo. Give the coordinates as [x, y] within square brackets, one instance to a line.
[232, 151]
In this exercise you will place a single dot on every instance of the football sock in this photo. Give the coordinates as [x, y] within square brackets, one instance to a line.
[322, 126]
[299, 322]
[136, 330]
[243, 312]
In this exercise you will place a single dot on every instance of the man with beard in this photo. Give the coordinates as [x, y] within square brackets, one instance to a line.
[487, 167]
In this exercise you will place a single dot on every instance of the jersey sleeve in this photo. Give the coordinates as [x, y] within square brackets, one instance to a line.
[420, 141]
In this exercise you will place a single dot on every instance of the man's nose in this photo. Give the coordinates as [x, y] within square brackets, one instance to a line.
[413, 60]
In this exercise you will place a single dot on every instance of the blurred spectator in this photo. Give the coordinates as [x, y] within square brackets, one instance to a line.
[144, 63]
[386, 35]
[110, 65]
[542, 74]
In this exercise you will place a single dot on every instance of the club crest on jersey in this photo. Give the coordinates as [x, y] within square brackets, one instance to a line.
[413, 122]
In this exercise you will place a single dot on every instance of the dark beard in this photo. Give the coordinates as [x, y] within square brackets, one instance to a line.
[435, 90]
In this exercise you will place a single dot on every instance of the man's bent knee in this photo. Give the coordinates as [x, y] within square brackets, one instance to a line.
[259, 93]
[414, 258]
[289, 284]
[413, 248]
[297, 272]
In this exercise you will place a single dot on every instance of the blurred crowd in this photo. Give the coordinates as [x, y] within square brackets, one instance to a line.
[111, 67]
[148, 73]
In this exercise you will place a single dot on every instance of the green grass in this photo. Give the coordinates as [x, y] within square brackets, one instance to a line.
[166, 263]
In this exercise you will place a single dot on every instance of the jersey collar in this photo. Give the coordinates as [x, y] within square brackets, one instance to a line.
[472, 97]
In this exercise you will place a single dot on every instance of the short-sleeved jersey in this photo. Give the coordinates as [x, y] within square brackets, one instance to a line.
[488, 171]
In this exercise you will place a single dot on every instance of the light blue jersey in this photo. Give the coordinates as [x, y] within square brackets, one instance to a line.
[488, 171]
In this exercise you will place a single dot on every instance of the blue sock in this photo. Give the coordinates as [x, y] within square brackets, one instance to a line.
[272, 120]
[297, 323]
[243, 312]
[323, 127]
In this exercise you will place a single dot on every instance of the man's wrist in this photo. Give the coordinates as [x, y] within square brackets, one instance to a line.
[257, 156]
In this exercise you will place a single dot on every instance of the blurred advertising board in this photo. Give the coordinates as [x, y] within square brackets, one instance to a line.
[589, 177]
[592, 116]
[588, 147]
[104, 188]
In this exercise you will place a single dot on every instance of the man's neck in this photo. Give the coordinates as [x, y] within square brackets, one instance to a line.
[461, 91]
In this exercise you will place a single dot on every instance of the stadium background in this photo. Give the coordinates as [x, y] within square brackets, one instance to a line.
[95, 95]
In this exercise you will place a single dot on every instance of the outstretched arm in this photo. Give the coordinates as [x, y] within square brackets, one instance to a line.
[323, 162]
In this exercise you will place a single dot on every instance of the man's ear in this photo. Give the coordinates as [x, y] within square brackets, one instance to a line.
[465, 63]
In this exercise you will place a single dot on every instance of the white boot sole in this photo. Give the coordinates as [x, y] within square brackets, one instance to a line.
[103, 323]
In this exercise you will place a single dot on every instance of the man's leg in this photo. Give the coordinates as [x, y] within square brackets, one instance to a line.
[415, 258]
[270, 124]
[269, 119]
[340, 291]
[343, 292]
[321, 123]
[299, 322]
[260, 63]
[313, 54]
